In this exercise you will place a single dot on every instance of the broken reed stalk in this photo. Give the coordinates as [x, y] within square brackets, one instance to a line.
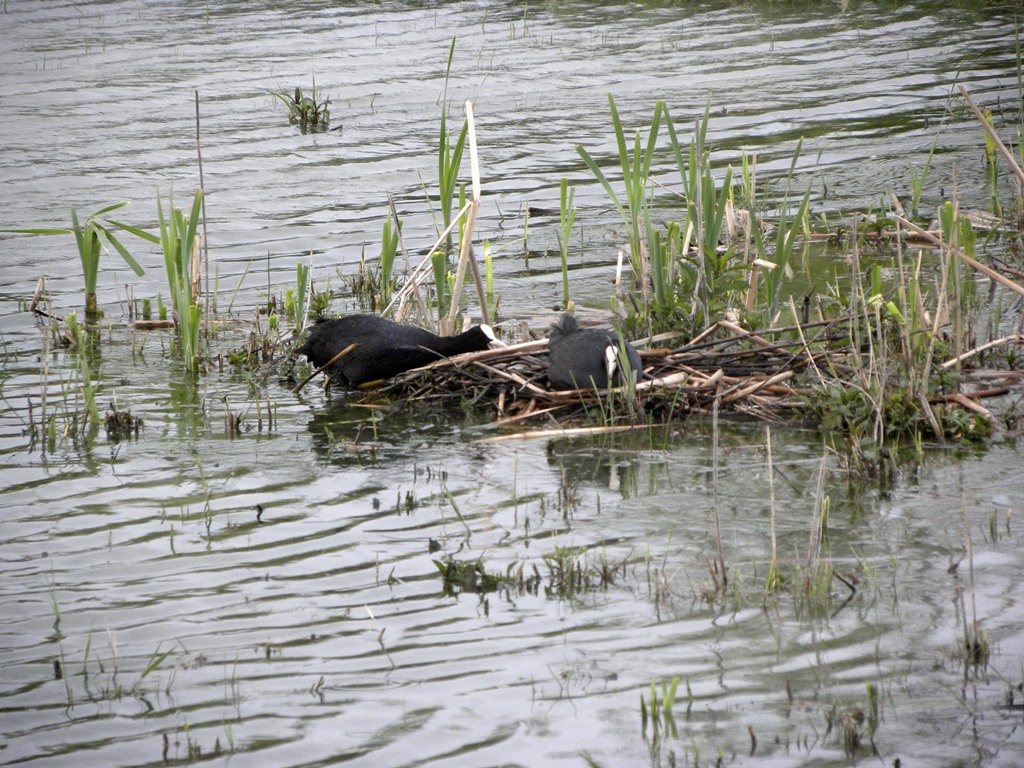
[1017, 171]
[328, 364]
[414, 280]
[417, 296]
[938, 242]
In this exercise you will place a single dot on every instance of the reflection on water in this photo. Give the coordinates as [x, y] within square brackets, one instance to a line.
[221, 587]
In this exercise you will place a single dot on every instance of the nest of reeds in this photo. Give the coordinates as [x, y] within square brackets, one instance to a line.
[743, 371]
[769, 375]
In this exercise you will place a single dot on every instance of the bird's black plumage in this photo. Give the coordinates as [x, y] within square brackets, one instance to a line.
[594, 357]
[386, 348]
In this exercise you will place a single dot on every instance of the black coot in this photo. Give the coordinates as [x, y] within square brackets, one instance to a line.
[579, 359]
[386, 348]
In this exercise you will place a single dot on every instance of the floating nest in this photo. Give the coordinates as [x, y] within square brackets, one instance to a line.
[770, 375]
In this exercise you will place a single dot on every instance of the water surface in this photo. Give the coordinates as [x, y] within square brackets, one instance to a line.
[286, 571]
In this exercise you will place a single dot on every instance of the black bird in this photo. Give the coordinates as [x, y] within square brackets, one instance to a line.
[588, 358]
[386, 348]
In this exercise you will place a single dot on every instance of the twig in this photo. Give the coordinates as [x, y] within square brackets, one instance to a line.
[1014, 339]
[569, 432]
[1018, 172]
[973, 263]
[328, 364]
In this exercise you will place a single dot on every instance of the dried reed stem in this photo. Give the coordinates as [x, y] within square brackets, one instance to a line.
[1018, 172]
[973, 263]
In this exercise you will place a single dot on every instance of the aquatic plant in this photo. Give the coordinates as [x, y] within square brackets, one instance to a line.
[460, 576]
[786, 232]
[635, 173]
[449, 163]
[311, 113]
[300, 304]
[78, 336]
[567, 215]
[91, 236]
[918, 178]
[389, 241]
[178, 242]
[659, 709]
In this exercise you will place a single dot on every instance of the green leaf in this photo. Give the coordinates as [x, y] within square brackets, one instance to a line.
[39, 231]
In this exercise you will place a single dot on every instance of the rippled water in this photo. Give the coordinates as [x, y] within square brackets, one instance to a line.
[317, 631]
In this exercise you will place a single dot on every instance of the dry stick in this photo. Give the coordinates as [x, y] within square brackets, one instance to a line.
[973, 263]
[752, 388]
[422, 267]
[1013, 339]
[969, 404]
[803, 341]
[744, 333]
[714, 485]
[513, 377]
[328, 364]
[206, 248]
[1018, 172]
[570, 432]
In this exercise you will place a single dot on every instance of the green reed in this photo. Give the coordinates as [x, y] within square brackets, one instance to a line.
[567, 215]
[177, 239]
[301, 302]
[79, 338]
[92, 235]
[389, 242]
[449, 163]
[635, 173]
[786, 232]
[918, 178]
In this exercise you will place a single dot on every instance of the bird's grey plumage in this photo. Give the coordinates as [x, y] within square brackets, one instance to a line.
[593, 357]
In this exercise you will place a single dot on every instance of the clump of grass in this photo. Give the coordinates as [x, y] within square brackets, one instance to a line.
[659, 709]
[181, 260]
[311, 113]
[299, 304]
